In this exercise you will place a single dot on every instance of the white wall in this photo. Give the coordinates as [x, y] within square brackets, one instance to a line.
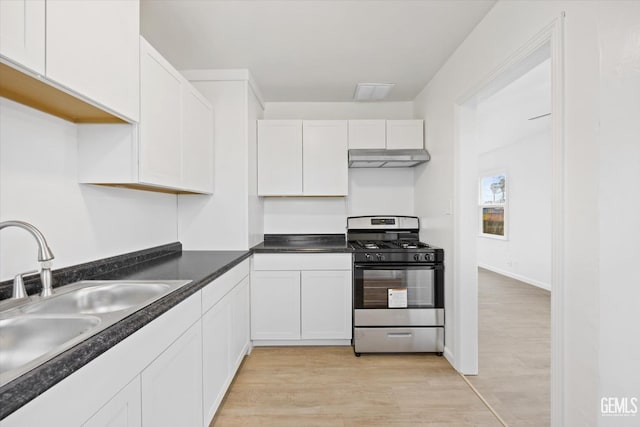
[380, 191]
[38, 184]
[371, 191]
[591, 163]
[508, 142]
[303, 215]
[338, 110]
[231, 218]
[526, 253]
[256, 204]
[619, 197]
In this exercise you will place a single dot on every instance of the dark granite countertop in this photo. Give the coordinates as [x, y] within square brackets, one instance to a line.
[303, 243]
[167, 262]
[163, 263]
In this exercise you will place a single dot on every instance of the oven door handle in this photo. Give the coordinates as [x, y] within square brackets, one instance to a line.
[412, 266]
[399, 334]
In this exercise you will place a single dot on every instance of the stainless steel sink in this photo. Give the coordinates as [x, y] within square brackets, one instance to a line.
[26, 338]
[40, 328]
[101, 298]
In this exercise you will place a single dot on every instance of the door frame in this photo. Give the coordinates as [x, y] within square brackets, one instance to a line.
[465, 292]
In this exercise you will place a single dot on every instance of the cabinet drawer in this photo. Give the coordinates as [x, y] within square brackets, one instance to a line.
[395, 340]
[302, 262]
[213, 292]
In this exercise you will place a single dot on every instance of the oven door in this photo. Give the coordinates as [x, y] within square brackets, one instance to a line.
[422, 283]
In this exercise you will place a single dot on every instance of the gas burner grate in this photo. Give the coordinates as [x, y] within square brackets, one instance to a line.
[368, 244]
[411, 245]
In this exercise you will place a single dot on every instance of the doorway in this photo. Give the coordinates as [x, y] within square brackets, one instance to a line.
[514, 244]
[547, 44]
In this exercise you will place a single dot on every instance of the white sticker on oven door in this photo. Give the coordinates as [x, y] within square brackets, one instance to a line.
[397, 298]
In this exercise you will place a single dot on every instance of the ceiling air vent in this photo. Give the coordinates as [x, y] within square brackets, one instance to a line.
[372, 91]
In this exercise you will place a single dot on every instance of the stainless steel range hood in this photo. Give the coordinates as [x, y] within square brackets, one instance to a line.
[387, 158]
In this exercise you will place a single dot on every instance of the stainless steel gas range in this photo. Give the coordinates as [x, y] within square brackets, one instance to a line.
[398, 287]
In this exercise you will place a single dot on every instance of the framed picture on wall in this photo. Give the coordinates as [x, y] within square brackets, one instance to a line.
[493, 190]
[493, 205]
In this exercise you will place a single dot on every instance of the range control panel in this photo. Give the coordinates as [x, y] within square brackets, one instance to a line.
[408, 257]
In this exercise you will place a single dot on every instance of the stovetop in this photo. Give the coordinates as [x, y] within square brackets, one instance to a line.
[395, 251]
[389, 239]
[397, 245]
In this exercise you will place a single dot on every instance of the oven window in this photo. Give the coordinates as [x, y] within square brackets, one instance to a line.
[374, 285]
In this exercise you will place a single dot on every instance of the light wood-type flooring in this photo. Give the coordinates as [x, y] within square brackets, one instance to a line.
[329, 386]
[514, 349]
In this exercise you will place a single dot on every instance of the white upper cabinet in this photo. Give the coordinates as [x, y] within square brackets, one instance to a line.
[280, 157]
[197, 137]
[367, 134]
[92, 49]
[160, 112]
[325, 158]
[22, 33]
[172, 147]
[405, 134]
[386, 134]
[302, 158]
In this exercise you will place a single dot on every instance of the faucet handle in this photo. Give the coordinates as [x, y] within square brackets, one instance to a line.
[18, 284]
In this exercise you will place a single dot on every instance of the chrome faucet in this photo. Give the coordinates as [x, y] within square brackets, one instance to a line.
[44, 254]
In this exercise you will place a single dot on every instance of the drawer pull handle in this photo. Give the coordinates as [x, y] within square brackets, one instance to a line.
[399, 334]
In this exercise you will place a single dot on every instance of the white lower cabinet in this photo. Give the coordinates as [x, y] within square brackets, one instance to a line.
[326, 305]
[172, 384]
[301, 299]
[216, 355]
[240, 324]
[172, 372]
[225, 335]
[123, 410]
[275, 305]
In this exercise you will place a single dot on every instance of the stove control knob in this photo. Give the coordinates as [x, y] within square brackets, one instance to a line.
[380, 257]
[367, 257]
[416, 257]
[428, 257]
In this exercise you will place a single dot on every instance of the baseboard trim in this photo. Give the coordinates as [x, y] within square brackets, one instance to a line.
[524, 279]
[449, 356]
[280, 343]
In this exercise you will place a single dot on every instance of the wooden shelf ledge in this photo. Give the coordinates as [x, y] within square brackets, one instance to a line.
[42, 95]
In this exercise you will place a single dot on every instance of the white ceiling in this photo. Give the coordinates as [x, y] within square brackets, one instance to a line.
[314, 50]
[503, 118]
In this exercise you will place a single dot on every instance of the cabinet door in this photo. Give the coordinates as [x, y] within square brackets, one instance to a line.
[275, 305]
[197, 141]
[22, 32]
[216, 361]
[325, 158]
[240, 328]
[279, 157]
[172, 384]
[92, 48]
[123, 410]
[367, 134]
[326, 305]
[160, 114]
[405, 134]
